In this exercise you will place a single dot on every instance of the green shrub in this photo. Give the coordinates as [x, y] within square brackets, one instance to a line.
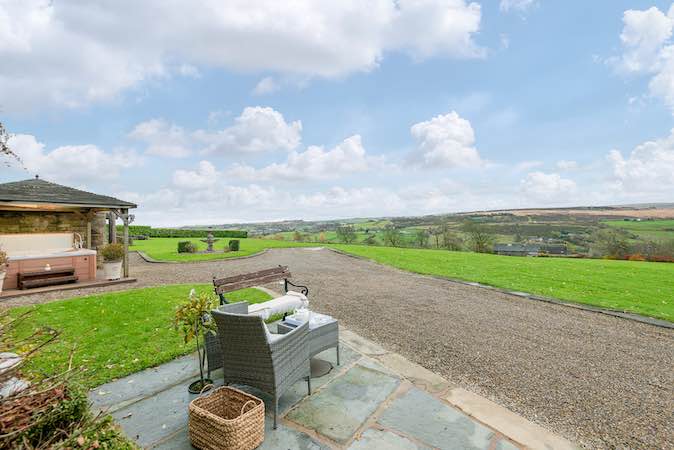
[179, 232]
[234, 245]
[187, 247]
[112, 252]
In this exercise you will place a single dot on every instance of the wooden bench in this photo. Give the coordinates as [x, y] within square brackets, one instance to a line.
[27, 280]
[246, 280]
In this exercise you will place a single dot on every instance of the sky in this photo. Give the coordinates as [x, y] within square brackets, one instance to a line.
[208, 112]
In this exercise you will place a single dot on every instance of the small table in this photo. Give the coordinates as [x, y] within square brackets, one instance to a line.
[323, 334]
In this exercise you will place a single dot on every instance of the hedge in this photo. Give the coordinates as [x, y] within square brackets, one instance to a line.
[180, 232]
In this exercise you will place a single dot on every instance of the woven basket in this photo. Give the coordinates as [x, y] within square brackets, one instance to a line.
[226, 419]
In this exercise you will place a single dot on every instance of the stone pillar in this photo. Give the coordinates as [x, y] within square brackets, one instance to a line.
[98, 230]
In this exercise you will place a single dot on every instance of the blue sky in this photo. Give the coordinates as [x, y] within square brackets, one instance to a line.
[246, 111]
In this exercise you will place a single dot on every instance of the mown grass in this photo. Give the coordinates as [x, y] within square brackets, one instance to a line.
[117, 333]
[166, 249]
[640, 287]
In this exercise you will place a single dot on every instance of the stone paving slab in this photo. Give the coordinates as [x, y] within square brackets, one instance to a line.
[340, 409]
[506, 421]
[156, 417]
[280, 439]
[369, 402]
[142, 384]
[373, 439]
[424, 417]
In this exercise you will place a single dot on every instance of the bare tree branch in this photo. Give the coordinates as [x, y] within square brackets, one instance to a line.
[5, 151]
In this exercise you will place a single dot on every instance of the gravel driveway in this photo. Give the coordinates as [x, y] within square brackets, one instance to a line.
[601, 381]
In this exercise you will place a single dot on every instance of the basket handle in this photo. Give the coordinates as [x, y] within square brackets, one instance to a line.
[246, 404]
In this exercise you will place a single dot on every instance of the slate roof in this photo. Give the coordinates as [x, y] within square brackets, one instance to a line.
[35, 190]
[517, 248]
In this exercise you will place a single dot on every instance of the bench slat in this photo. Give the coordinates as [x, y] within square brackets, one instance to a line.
[229, 287]
[281, 272]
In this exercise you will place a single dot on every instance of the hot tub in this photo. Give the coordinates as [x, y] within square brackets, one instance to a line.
[44, 251]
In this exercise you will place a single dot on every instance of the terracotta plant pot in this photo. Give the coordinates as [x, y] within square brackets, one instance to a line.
[112, 270]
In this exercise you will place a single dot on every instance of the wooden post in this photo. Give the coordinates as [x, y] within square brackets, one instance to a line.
[112, 228]
[125, 218]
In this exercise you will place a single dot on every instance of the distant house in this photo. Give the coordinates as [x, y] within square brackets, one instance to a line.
[529, 249]
[517, 249]
[554, 249]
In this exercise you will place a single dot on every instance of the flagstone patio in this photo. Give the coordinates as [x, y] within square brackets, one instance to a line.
[374, 400]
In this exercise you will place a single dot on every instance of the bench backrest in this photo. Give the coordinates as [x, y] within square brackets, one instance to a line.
[236, 282]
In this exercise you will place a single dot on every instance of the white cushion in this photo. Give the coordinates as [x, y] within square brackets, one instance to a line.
[280, 305]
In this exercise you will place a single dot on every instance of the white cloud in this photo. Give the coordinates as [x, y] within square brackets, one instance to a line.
[426, 28]
[445, 141]
[648, 49]
[315, 163]
[117, 50]
[528, 165]
[71, 163]
[649, 168]
[549, 187]
[162, 138]
[257, 129]
[643, 36]
[567, 165]
[516, 5]
[205, 176]
[267, 85]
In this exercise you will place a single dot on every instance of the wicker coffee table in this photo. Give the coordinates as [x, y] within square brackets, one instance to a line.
[323, 334]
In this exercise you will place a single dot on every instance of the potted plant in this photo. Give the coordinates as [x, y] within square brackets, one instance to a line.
[113, 254]
[193, 319]
[3, 267]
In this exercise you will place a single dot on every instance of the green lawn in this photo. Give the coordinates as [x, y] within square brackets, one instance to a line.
[116, 333]
[641, 287]
[166, 249]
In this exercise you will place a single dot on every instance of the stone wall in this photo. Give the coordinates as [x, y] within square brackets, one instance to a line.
[52, 222]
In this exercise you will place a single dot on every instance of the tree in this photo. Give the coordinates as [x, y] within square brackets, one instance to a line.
[479, 238]
[610, 243]
[5, 151]
[450, 240]
[421, 238]
[436, 232]
[392, 236]
[297, 236]
[346, 234]
[370, 240]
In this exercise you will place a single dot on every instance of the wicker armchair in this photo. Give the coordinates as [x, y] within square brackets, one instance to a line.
[252, 358]
[212, 341]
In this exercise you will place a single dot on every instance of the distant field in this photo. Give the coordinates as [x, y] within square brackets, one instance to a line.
[166, 249]
[639, 287]
[647, 229]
